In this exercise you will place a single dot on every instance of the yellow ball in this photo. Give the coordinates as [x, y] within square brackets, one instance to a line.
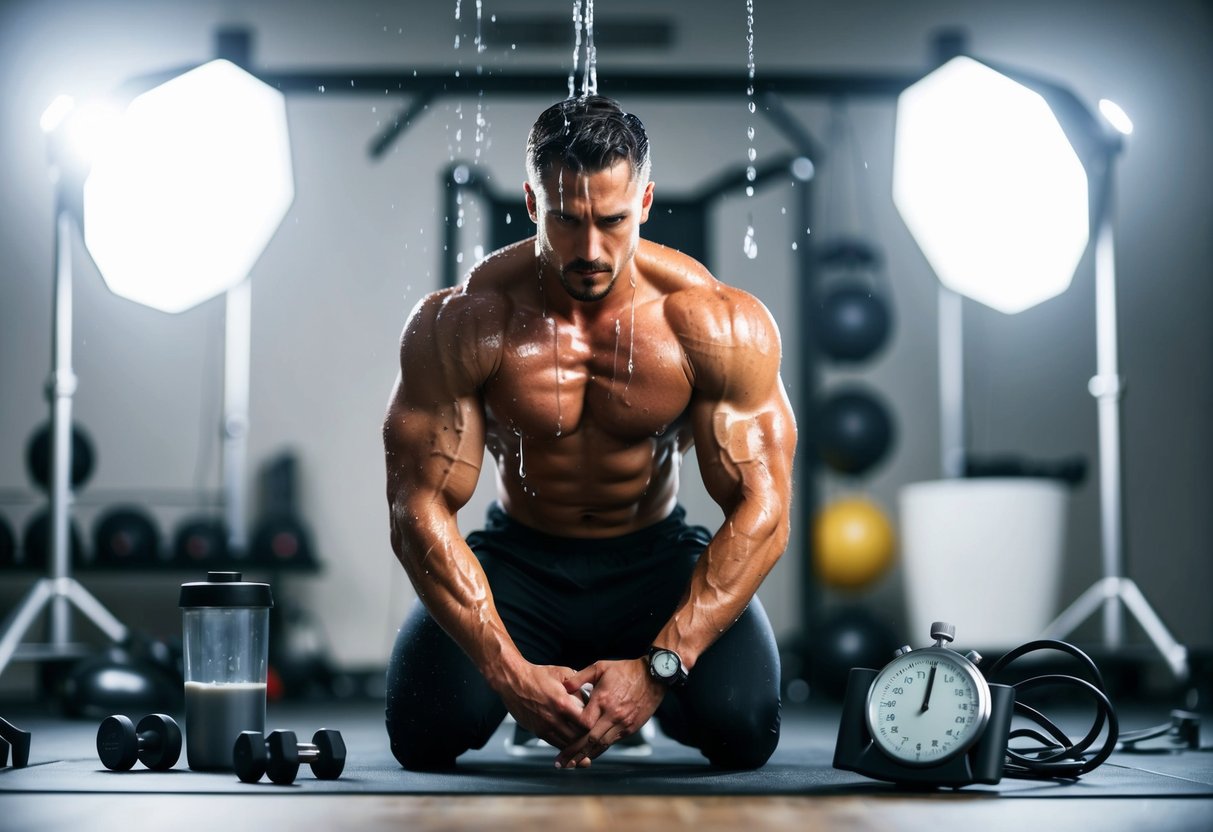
[853, 543]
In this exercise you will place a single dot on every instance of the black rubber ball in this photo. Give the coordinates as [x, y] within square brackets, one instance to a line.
[38, 457]
[851, 323]
[855, 431]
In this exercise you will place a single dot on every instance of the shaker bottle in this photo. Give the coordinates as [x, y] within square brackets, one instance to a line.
[226, 622]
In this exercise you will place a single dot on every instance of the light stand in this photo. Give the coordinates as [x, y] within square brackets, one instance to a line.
[237, 355]
[1113, 588]
[59, 590]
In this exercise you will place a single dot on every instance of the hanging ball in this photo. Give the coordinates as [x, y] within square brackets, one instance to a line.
[850, 637]
[38, 457]
[851, 323]
[853, 543]
[855, 431]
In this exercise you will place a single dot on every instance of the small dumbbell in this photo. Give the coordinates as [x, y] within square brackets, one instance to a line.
[280, 755]
[155, 741]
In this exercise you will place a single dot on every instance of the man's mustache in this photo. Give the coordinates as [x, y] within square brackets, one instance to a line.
[587, 266]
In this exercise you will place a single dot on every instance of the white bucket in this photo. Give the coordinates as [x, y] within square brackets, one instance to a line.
[984, 555]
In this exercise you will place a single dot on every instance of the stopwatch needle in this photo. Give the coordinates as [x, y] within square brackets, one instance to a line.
[926, 697]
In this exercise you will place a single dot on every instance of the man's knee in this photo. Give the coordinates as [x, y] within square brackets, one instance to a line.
[421, 750]
[744, 741]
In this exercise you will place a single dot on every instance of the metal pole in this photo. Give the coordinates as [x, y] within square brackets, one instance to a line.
[951, 383]
[237, 351]
[1106, 387]
[61, 388]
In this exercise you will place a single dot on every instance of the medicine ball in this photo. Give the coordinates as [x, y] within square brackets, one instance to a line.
[115, 682]
[850, 323]
[853, 543]
[8, 544]
[36, 541]
[855, 431]
[125, 535]
[200, 540]
[850, 637]
[281, 540]
[38, 457]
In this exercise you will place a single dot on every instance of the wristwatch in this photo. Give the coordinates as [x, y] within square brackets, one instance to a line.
[666, 667]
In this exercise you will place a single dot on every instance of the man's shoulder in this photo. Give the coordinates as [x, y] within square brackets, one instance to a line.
[483, 301]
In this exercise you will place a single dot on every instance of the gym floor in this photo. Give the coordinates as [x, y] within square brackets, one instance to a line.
[798, 789]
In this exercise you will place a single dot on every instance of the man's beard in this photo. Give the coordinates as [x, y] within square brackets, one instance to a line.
[577, 290]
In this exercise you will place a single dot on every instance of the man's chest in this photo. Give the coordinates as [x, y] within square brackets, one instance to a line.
[557, 378]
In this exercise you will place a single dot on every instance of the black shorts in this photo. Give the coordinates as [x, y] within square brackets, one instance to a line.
[571, 602]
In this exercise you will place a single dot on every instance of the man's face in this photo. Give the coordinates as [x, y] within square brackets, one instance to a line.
[588, 225]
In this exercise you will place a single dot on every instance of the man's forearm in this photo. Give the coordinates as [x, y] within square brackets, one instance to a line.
[742, 552]
[448, 579]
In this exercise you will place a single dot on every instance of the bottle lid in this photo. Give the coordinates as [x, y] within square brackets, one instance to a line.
[225, 589]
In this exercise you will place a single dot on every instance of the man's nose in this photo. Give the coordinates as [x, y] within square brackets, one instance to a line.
[591, 243]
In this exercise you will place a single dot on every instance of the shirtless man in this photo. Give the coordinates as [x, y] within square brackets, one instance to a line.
[587, 361]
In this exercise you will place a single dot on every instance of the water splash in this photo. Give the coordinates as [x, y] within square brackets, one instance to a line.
[583, 20]
[749, 244]
[615, 361]
[576, 47]
[589, 84]
[631, 342]
[556, 362]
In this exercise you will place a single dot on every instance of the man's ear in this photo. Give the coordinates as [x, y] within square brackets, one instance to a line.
[646, 202]
[530, 202]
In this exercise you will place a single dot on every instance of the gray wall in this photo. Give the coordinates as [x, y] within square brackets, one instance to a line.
[363, 241]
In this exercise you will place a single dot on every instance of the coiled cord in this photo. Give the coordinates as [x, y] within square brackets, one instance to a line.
[1057, 757]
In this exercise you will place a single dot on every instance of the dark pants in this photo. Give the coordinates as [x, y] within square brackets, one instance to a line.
[571, 602]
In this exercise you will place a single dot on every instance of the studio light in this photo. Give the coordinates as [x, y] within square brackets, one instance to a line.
[990, 175]
[182, 191]
[183, 199]
[989, 185]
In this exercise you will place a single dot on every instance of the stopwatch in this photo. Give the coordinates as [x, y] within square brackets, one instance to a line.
[928, 717]
[928, 705]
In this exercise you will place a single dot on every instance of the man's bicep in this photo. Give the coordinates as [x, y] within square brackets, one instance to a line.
[434, 446]
[745, 443]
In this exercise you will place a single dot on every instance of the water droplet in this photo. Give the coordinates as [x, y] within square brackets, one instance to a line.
[749, 245]
[508, 218]
[751, 107]
[321, 88]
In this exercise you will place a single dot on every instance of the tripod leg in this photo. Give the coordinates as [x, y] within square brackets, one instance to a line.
[93, 609]
[1084, 607]
[1174, 653]
[23, 617]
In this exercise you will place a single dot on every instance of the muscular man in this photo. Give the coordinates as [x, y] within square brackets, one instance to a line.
[587, 361]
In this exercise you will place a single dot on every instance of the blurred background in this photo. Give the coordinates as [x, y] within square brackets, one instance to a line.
[366, 236]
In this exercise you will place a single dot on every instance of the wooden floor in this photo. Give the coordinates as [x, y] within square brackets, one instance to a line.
[937, 813]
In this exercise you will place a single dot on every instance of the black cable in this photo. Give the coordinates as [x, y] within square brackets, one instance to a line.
[1057, 756]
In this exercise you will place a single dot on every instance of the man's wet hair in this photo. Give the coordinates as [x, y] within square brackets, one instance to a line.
[586, 134]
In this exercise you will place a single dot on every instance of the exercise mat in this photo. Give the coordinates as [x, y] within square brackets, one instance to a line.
[63, 759]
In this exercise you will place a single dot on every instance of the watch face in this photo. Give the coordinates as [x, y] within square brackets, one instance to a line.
[665, 664]
[927, 706]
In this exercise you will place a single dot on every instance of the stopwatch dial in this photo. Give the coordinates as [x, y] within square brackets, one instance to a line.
[926, 707]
